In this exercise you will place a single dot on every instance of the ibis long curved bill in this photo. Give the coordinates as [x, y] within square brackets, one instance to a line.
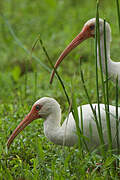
[27, 120]
[86, 33]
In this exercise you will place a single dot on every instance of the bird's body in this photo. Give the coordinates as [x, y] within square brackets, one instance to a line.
[87, 32]
[65, 134]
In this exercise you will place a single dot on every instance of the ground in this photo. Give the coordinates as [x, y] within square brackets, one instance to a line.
[24, 79]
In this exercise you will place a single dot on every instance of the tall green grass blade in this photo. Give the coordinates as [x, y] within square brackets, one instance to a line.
[107, 91]
[118, 13]
[106, 68]
[117, 118]
[99, 52]
[97, 87]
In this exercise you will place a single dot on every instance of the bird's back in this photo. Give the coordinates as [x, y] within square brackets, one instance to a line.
[89, 125]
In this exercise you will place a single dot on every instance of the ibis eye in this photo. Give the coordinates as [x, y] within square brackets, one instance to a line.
[37, 107]
[92, 27]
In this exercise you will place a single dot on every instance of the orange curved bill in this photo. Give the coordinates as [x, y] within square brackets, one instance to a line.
[83, 35]
[27, 120]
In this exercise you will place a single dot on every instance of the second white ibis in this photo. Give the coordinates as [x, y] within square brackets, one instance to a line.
[87, 32]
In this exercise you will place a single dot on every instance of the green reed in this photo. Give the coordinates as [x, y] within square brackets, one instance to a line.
[118, 13]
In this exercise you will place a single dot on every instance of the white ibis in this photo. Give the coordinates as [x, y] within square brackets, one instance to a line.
[49, 109]
[87, 32]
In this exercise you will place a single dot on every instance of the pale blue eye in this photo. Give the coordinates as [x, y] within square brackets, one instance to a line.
[37, 107]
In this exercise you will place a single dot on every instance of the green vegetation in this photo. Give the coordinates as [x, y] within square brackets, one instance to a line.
[25, 78]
